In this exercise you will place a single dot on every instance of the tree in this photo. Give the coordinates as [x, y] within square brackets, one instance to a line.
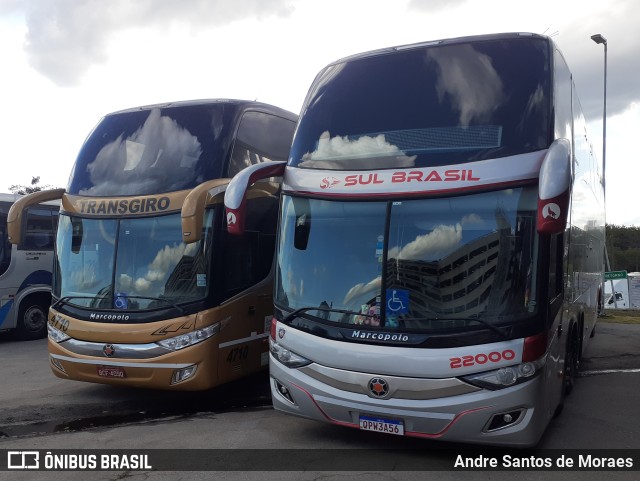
[29, 189]
[623, 246]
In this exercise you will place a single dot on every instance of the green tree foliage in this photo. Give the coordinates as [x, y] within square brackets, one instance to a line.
[29, 189]
[623, 246]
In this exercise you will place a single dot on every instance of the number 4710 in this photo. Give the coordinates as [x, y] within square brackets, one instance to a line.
[238, 354]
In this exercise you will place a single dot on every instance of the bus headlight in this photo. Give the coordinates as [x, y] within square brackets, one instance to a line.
[185, 340]
[287, 357]
[506, 376]
[56, 335]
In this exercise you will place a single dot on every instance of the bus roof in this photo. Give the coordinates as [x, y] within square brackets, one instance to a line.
[11, 198]
[446, 41]
[241, 104]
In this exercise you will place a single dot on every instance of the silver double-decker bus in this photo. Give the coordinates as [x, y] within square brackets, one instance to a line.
[441, 242]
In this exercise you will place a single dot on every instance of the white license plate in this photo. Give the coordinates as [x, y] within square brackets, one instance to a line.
[111, 371]
[379, 425]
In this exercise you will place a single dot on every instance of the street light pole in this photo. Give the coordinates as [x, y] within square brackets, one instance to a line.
[598, 38]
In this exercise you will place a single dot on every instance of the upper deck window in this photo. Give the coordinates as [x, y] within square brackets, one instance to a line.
[153, 151]
[430, 106]
[261, 137]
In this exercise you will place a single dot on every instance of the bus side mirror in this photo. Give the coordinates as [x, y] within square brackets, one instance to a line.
[554, 188]
[302, 228]
[192, 213]
[14, 217]
[235, 197]
[77, 233]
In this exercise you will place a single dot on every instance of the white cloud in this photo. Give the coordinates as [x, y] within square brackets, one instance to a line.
[435, 245]
[358, 152]
[65, 38]
[149, 51]
[359, 290]
[470, 80]
[152, 281]
[471, 219]
[157, 144]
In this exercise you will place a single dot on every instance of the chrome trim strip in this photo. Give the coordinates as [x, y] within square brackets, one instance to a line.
[107, 362]
[243, 340]
[122, 351]
[399, 387]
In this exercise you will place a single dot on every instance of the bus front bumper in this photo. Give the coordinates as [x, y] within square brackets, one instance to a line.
[514, 416]
[189, 369]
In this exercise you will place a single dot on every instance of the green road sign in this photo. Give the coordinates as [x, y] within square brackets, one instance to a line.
[608, 276]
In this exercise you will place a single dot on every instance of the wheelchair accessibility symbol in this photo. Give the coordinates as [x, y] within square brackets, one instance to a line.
[397, 301]
[121, 300]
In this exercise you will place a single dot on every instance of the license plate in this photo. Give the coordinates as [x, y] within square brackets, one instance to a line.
[379, 425]
[111, 371]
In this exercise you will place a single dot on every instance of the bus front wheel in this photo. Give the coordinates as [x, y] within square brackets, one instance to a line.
[32, 320]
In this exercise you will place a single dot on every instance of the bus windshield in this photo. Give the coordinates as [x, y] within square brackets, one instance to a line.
[472, 257]
[130, 264]
[422, 107]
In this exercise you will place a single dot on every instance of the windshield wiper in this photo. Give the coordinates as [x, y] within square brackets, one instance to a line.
[289, 317]
[65, 299]
[464, 319]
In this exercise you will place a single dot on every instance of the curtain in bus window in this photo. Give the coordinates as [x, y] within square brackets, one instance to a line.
[5, 246]
[39, 232]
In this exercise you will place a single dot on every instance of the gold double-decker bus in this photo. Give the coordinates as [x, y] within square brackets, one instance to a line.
[149, 289]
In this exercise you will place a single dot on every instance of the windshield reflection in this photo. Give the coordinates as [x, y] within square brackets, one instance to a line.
[427, 106]
[423, 272]
[469, 79]
[153, 268]
[144, 161]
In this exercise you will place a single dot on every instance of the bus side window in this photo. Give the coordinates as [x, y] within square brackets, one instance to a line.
[261, 138]
[39, 231]
[5, 246]
[248, 258]
[555, 265]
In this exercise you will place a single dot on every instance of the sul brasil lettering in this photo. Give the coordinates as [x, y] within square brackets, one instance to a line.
[124, 206]
[450, 175]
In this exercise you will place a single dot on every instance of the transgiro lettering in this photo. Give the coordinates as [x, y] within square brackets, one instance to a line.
[379, 336]
[124, 206]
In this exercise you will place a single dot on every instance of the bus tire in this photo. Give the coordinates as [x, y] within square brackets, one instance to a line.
[32, 319]
[559, 407]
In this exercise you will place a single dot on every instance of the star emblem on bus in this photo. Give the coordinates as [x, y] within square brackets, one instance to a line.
[109, 350]
[378, 387]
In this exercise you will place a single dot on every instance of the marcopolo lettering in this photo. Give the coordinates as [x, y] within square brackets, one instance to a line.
[125, 206]
[108, 317]
[379, 336]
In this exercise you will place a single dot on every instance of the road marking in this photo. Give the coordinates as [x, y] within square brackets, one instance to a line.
[607, 371]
